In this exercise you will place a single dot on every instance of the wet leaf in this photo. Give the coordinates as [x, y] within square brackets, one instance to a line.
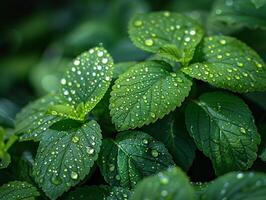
[230, 64]
[223, 128]
[132, 156]
[145, 93]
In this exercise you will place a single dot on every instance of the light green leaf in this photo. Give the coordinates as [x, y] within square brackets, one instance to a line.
[132, 156]
[85, 83]
[99, 193]
[228, 63]
[223, 128]
[145, 93]
[232, 15]
[171, 35]
[33, 120]
[4, 156]
[65, 157]
[172, 132]
[171, 184]
[18, 190]
[237, 186]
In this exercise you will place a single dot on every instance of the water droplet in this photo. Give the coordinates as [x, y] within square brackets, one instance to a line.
[63, 81]
[164, 193]
[259, 65]
[223, 42]
[192, 32]
[243, 130]
[145, 141]
[107, 78]
[149, 42]
[104, 60]
[187, 39]
[56, 180]
[154, 153]
[138, 23]
[90, 150]
[219, 56]
[100, 53]
[166, 14]
[111, 167]
[239, 175]
[75, 139]
[74, 175]
[76, 62]
[153, 115]
[239, 64]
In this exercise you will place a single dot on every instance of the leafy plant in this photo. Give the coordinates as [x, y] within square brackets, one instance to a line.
[163, 116]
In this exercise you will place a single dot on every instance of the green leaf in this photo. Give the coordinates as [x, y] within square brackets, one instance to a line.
[33, 120]
[4, 156]
[145, 93]
[85, 83]
[171, 184]
[228, 63]
[236, 186]
[237, 14]
[99, 193]
[122, 67]
[17, 190]
[223, 128]
[65, 157]
[258, 3]
[172, 132]
[132, 156]
[263, 155]
[171, 35]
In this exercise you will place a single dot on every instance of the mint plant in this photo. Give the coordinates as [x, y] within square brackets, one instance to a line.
[157, 120]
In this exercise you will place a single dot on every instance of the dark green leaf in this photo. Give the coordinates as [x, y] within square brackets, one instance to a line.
[85, 83]
[235, 14]
[122, 67]
[223, 128]
[228, 63]
[173, 134]
[18, 190]
[237, 186]
[171, 35]
[33, 120]
[64, 158]
[171, 184]
[145, 93]
[132, 156]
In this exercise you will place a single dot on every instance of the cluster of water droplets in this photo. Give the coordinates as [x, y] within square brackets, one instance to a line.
[145, 93]
[90, 72]
[71, 154]
[160, 29]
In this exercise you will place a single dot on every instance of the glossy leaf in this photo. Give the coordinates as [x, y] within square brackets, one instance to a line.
[33, 120]
[65, 157]
[171, 35]
[18, 190]
[228, 63]
[132, 156]
[223, 128]
[171, 184]
[145, 93]
[84, 83]
[173, 134]
[236, 186]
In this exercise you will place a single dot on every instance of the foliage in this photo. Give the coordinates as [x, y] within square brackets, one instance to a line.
[142, 128]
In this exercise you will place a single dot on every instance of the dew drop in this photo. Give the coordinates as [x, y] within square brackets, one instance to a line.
[76, 62]
[75, 139]
[239, 175]
[56, 180]
[149, 42]
[111, 167]
[164, 193]
[145, 141]
[192, 32]
[242, 130]
[104, 60]
[74, 175]
[90, 150]
[153, 115]
[222, 42]
[138, 23]
[63, 81]
[154, 153]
